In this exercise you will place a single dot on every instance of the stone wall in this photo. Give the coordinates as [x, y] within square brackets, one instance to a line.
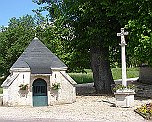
[13, 96]
[145, 75]
[67, 92]
[144, 90]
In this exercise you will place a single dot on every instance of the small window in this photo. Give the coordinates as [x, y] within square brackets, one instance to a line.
[55, 75]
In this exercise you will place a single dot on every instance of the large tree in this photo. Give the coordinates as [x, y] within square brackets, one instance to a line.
[94, 26]
[94, 33]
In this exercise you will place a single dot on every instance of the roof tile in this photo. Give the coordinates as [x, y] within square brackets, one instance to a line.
[38, 58]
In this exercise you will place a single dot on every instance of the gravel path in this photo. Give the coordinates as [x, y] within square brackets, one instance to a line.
[87, 108]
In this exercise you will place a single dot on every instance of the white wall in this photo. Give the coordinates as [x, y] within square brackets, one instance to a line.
[5, 96]
[66, 94]
[12, 95]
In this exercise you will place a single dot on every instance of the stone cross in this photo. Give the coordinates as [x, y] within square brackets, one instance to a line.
[123, 56]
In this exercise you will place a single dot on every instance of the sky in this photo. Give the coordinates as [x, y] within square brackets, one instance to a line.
[15, 8]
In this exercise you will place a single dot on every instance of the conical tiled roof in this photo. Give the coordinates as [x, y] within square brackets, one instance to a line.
[38, 58]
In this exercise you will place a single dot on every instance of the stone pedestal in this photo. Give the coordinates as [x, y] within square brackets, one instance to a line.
[124, 99]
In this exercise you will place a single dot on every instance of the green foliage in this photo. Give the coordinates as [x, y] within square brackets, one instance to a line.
[54, 38]
[88, 25]
[119, 87]
[131, 86]
[96, 23]
[139, 26]
[122, 87]
[141, 46]
[23, 86]
[13, 40]
[19, 33]
[56, 86]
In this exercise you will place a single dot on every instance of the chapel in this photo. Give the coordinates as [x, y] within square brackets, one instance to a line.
[38, 78]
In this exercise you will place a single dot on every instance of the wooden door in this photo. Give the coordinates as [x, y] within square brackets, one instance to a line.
[40, 97]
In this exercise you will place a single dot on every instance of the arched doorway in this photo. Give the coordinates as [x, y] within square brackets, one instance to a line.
[39, 89]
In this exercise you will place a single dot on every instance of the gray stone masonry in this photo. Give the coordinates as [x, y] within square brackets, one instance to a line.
[143, 90]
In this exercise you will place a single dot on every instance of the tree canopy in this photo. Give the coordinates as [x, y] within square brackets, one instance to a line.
[13, 40]
[95, 24]
[20, 31]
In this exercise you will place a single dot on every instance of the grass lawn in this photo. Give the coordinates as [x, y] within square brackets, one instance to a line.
[131, 73]
[88, 77]
[82, 77]
[116, 72]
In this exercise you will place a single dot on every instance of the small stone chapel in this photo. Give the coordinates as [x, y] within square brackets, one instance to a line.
[38, 78]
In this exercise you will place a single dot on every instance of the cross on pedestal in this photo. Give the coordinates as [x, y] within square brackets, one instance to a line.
[123, 56]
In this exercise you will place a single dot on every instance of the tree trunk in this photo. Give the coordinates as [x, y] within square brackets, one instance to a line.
[101, 69]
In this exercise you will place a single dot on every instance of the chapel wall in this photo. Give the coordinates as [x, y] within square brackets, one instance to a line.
[66, 93]
[15, 96]
[5, 96]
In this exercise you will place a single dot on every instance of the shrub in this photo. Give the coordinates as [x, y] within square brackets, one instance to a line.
[55, 86]
[145, 110]
[122, 87]
[23, 86]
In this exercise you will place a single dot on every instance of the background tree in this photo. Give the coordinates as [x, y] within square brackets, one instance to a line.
[13, 40]
[95, 24]
[21, 31]
[136, 16]
[93, 33]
